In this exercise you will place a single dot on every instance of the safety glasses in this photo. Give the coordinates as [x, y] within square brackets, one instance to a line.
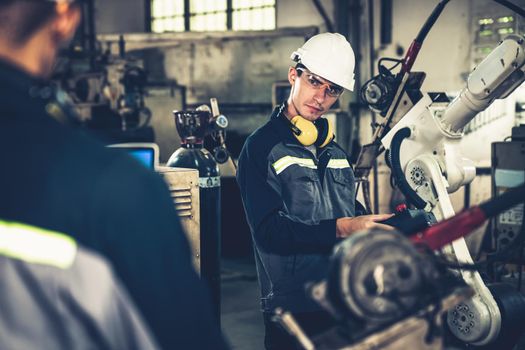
[317, 83]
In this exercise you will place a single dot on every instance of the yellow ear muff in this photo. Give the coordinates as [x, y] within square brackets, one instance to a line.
[308, 131]
[325, 131]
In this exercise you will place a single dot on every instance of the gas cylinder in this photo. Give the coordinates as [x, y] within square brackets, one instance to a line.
[192, 127]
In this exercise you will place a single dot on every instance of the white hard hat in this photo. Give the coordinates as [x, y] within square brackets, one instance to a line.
[330, 56]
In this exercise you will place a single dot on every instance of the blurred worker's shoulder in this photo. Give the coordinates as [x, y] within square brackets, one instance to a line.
[82, 153]
[74, 282]
[113, 176]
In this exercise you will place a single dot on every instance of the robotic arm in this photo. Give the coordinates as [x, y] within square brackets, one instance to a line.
[499, 74]
[427, 165]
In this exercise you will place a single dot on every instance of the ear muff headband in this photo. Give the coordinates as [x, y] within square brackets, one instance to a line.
[325, 131]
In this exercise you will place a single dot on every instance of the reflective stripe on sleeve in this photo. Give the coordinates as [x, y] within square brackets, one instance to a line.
[338, 164]
[36, 245]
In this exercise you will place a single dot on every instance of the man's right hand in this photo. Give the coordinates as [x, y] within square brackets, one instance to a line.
[346, 226]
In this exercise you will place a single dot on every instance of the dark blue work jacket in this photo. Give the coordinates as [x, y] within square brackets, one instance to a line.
[292, 198]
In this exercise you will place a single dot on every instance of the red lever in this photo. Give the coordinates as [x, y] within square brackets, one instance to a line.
[451, 229]
[401, 207]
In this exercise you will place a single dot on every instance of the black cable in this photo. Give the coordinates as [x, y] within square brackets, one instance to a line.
[520, 11]
[508, 250]
[430, 21]
[431, 317]
[389, 59]
[506, 200]
[397, 172]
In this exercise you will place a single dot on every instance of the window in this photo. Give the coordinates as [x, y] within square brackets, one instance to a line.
[167, 16]
[253, 14]
[211, 15]
[207, 15]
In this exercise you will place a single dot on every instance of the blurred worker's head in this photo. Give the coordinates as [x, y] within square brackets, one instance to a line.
[324, 68]
[33, 31]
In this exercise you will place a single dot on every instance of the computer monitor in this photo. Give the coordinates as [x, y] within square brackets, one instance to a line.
[146, 153]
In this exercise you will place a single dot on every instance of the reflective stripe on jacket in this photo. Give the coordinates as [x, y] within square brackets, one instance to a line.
[57, 295]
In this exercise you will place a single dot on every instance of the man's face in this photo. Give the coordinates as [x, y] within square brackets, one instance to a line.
[311, 96]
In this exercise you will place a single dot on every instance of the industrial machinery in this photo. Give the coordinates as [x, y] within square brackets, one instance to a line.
[423, 152]
[508, 171]
[422, 144]
[106, 91]
[193, 127]
[392, 96]
[421, 138]
[387, 290]
[108, 97]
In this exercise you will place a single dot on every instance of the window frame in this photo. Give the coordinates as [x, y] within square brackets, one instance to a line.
[187, 16]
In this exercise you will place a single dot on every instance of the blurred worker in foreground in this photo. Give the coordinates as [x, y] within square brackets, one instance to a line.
[57, 295]
[298, 187]
[56, 178]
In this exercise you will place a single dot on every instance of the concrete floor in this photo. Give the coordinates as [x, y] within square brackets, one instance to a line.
[241, 319]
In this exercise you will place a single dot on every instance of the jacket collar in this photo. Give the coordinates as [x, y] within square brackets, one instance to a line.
[30, 96]
[281, 125]
[17, 80]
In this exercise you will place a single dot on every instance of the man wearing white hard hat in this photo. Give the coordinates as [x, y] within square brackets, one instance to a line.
[298, 187]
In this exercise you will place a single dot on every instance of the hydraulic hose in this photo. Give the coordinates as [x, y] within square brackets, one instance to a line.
[397, 172]
[449, 230]
[416, 45]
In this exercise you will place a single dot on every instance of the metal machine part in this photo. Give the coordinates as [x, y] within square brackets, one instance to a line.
[183, 185]
[376, 278]
[508, 159]
[220, 123]
[393, 95]
[421, 331]
[431, 149]
[107, 91]
[470, 317]
[410, 221]
[194, 126]
[379, 287]
[499, 74]
[379, 91]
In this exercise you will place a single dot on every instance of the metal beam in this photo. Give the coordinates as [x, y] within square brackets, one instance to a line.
[140, 41]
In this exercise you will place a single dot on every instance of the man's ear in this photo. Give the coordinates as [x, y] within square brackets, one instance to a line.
[292, 75]
[66, 21]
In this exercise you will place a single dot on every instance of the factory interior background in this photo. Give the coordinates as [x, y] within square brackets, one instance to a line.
[179, 54]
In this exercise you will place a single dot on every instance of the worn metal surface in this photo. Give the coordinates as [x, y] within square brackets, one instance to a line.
[411, 333]
[184, 189]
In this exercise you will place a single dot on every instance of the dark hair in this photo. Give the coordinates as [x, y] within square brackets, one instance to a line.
[298, 67]
[20, 19]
